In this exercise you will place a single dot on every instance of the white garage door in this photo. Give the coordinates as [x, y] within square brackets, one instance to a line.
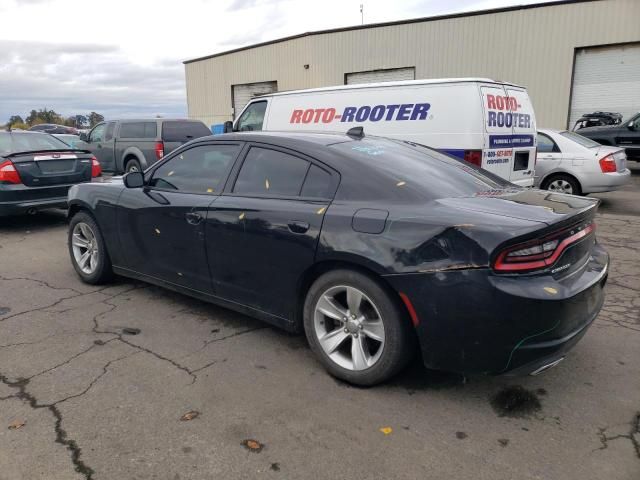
[243, 93]
[375, 76]
[606, 79]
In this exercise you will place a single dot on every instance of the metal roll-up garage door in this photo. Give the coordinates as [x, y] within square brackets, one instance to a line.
[375, 76]
[245, 92]
[606, 79]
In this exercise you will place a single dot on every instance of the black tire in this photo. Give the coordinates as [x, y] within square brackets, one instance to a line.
[561, 177]
[103, 272]
[399, 339]
[132, 165]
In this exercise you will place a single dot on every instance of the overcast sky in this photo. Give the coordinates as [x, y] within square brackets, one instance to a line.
[123, 58]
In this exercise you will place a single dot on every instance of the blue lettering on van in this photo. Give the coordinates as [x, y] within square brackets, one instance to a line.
[363, 113]
[508, 119]
[510, 141]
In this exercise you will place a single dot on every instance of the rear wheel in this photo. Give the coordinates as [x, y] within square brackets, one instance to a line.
[133, 165]
[88, 251]
[562, 184]
[355, 328]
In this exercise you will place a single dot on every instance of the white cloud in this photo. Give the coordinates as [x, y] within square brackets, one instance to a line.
[123, 57]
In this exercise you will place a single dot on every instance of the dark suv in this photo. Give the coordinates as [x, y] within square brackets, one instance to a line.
[133, 145]
[625, 135]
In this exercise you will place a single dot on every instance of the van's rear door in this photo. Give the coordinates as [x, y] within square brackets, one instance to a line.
[524, 136]
[497, 155]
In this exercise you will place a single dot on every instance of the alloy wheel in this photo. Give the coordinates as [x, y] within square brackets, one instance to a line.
[85, 248]
[349, 328]
[561, 186]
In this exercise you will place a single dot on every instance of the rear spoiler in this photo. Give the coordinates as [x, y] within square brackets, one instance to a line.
[56, 150]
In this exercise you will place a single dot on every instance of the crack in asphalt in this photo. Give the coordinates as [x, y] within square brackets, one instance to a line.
[61, 435]
[633, 435]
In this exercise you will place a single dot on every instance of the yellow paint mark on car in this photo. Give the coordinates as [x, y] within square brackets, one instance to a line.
[321, 210]
[401, 184]
[157, 231]
[550, 290]
[266, 183]
[241, 216]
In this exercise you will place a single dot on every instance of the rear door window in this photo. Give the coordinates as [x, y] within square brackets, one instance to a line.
[546, 145]
[271, 172]
[138, 130]
[201, 169]
[183, 131]
[317, 184]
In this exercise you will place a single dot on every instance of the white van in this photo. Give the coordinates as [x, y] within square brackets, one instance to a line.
[488, 123]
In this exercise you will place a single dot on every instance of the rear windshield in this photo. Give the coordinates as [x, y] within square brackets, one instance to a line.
[183, 131]
[29, 142]
[416, 167]
[584, 141]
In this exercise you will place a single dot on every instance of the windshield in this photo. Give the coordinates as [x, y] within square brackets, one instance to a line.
[584, 141]
[29, 142]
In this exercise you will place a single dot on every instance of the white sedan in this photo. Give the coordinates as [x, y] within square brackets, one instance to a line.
[570, 163]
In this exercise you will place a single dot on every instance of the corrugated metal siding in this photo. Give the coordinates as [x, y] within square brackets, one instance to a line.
[532, 47]
[375, 76]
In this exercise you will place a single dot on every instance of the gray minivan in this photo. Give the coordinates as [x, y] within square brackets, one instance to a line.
[133, 145]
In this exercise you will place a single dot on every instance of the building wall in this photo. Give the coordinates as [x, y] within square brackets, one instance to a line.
[532, 47]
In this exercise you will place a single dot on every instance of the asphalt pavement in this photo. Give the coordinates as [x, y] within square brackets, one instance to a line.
[130, 381]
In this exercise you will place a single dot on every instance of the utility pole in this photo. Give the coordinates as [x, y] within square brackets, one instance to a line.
[362, 13]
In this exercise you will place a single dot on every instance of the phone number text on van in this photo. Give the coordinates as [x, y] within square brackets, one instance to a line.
[365, 113]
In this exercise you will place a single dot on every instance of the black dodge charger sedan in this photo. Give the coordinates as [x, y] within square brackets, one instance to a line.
[366, 244]
[37, 169]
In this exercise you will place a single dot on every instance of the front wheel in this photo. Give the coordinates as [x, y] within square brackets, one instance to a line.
[88, 250]
[355, 328]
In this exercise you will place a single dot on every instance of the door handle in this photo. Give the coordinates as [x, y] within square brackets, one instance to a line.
[193, 218]
[298, 227]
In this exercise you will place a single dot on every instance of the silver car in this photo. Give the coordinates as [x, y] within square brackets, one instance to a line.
[570, 163]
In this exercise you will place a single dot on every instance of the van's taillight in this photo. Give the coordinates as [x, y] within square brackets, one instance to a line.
[8, 173]
[608, 164]
[473, 156]
[539, 253]
[159, 150]
[96, 169]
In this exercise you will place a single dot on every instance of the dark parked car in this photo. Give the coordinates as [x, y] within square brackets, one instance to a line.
[625, 135]
[37, 169]
[53, 128]
[366, 244]
[597, 119]
[134, 145]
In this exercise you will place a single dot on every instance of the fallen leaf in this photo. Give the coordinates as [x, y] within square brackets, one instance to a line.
[189, 416]
[16, 424]
[241, 216]
[386, 430]
[252, 445]
[550, 290]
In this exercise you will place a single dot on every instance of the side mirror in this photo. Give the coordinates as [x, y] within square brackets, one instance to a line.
[84, 137]
[133, 180]
[228, 126]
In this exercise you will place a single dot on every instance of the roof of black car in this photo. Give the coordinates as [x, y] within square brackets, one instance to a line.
[316, 138]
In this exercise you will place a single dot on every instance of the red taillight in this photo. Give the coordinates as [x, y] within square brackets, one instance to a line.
[159, 150]
[539, 253]
[96, 169]
[608, 164]
[473, 156]
[8, 173]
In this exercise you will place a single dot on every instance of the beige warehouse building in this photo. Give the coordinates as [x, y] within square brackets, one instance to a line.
[573, 56]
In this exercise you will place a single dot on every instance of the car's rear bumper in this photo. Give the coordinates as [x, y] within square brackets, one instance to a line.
[21, 199]
[474, 321]
[605, 182]
[20, 208]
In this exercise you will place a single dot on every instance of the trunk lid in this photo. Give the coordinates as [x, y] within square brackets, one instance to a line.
[618, 155]
[40, 169]
[552, 209]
